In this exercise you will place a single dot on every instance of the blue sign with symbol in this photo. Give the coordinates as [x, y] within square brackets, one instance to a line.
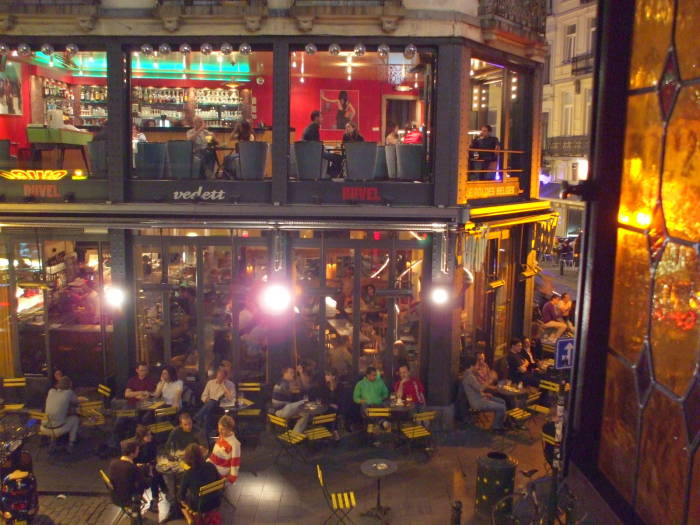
[564, 353]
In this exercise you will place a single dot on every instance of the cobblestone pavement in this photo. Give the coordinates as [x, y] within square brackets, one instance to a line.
[75, 510]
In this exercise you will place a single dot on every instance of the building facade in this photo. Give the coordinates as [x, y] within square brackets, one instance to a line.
[143, 222]
[567, 103]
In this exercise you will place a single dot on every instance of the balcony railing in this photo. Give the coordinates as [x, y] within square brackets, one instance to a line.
[525, 19]
[572, 146]
[67, 7]
[582, 64]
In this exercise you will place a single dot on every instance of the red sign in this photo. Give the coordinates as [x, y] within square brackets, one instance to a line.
[361, 193]
[47, 191]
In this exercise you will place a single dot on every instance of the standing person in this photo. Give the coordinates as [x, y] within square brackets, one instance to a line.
[127, 479]
[215, 390]
[551, 318]
[484, 160]
[312, 132]
[409, 388]
[58, 403]
[345, 110]
[481, 400]
[392, 136]
[170, 387]
[226, 455]
[200, 473]
[351, 134]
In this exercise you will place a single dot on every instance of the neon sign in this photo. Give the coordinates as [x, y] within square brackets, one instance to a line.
[33, 174]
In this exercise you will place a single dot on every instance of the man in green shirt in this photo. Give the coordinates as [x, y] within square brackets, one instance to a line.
[370, 390]
[183, 435]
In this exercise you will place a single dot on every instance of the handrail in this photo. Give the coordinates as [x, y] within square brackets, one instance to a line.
[496, 150]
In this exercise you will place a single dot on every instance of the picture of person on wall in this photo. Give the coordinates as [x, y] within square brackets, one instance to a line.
[337, 108]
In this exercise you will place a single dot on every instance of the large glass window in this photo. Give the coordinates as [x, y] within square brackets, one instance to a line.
[30, 296]
[306, 276]
[339, 336]
[361, 114]
[191, 110]
[252, 265]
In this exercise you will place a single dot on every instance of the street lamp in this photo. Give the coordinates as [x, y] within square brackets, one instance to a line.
[275, 299]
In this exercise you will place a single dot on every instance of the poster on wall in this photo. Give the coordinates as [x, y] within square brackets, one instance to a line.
[338, 107]
[10, 89]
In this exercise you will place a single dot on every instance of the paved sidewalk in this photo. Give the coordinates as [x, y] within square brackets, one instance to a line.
[74, 510]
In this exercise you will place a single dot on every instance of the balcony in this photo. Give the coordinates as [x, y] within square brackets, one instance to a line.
[525, 21]
[582, 64]
[572, 146]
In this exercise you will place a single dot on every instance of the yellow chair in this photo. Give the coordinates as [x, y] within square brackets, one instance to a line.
[249, 387]
[165, 412]
[533, 406]
[91, 414]
[374, 415]
[318, 429]
[160, 428]
[131, 511]
[289, 440]
[417, 430]
[191, 515]
[125, 412]
[12, 385]
[341, 504]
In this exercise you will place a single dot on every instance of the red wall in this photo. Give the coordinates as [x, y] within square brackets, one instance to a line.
[15, 127]
[306, 98]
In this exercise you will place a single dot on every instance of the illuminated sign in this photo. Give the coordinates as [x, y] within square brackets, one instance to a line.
[47, 191]
[361, 193]
[490, 189]
[199, 194]
[33, 174]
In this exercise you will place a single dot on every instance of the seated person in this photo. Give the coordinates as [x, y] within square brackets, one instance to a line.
[312, 133]
[528, 354]
[409, 388]
[482, 371]
[215, 390]
[551, 318]
[370, 390]
[183, 435]
[413, 135]
[242, 132]
[226, 455]
[306, 370]
[200, 473]
[481, 400]
[170, 387]
[202, 139]
[518, 367]
[286, 403]
[351, 134]
[392, 135]
[146, 459]
[58, 403]
[128, 480]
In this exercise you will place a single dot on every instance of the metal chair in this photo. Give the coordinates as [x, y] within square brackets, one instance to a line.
[410, 162]
[193, 516]
[181, 160]
[288, 440]
[251, 160]
[131, 511]
[341, 504]
[360, 158]
[14, 387]
[309, 159]
[150, 160]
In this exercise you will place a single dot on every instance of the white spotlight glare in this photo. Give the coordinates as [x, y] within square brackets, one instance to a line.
[275, 299]
[439, 295]
[114, 296]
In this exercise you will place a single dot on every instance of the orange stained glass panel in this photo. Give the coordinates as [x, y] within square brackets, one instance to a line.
[631, 294]
[640, 176]
[618, 444]
[675, 330]
[663, 461]
[653, 22]
[687, 43]
[680, 189]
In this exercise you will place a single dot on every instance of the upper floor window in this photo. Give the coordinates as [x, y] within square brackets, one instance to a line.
[569, 43]
[361, 114]
[191, 111]
[591, 34]
[567, 114]
[588, 111]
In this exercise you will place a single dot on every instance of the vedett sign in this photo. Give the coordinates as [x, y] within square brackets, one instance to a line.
[199, 195]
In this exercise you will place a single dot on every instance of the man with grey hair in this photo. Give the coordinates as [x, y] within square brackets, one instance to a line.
[58, 404]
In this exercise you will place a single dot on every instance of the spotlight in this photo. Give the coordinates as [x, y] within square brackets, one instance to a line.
[114, 296]
[439, 295]
[275, 299]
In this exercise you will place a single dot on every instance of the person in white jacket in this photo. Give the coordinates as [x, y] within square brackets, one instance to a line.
[226, 455]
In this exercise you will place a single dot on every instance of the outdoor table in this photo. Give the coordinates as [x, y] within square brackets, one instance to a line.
[378, 468]
[312, 408]
[172, 468]
[512, 394]
[235, 405]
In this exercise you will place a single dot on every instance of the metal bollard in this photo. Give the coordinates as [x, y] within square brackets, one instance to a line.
[456, 513]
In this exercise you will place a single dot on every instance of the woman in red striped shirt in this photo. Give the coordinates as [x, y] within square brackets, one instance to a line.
[226, 455]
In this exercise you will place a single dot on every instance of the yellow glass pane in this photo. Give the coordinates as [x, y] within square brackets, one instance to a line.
[663, 462]
[618, 441]
[653, 21]
[687, 43]
[640, 176]
[631, 293]
[681, 182]
[675, 331]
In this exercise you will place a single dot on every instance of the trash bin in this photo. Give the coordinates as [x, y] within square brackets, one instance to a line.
[495, 479]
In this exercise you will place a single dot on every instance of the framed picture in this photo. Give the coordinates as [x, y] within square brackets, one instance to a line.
[10, 88]
[338, 107]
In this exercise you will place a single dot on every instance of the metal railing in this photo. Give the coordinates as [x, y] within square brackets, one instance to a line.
[44, 6]
[527, 19]
[571, 146]
[582, 64]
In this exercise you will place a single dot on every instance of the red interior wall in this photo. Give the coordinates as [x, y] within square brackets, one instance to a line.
[14, 127]
[306, 98]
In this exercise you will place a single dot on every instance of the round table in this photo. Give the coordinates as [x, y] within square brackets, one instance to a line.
[378, 468]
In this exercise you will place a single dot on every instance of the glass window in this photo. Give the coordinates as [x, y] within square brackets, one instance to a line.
[569, 43]
[62, 99]
[408, 308]
[252, 265]
[306, 276]
[150, 327]
[182, 278]
[567, 114]
[190, 109]
[6, 357]
[218, 274]
[379, 97]
[375, 265]
[30, 297]
[339, 337]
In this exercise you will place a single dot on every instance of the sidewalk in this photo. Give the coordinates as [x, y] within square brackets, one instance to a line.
[420, 493]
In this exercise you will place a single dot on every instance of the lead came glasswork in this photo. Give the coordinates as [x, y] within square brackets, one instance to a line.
[680, 188]
[652, 36]
[630, 294]
[687, 23]
[640, 177]
[675, 331]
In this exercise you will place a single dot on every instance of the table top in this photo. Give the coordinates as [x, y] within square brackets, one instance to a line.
[168, 465]
[313, 408]
[513, 391]
[238, 404]
[378, 467]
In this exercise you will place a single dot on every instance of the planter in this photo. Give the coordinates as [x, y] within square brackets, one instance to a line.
[128, 4]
